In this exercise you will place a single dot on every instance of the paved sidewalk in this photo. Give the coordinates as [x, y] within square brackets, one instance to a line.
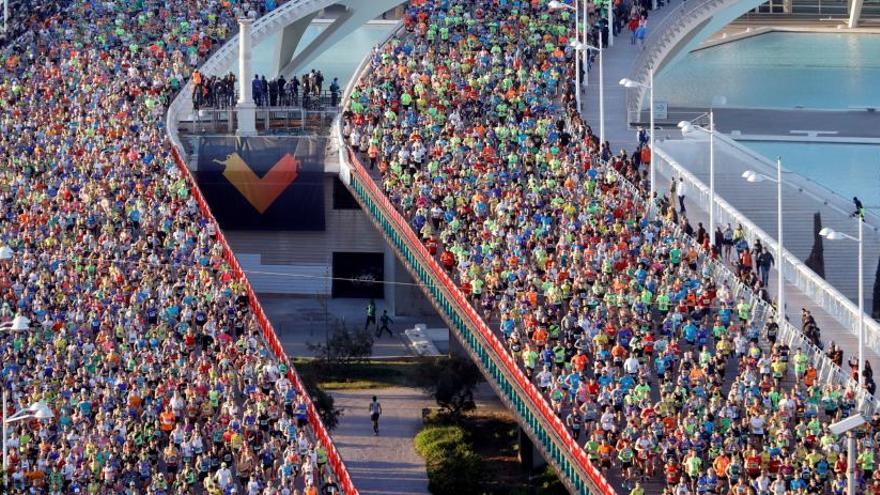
[386, 464]
[301, 320]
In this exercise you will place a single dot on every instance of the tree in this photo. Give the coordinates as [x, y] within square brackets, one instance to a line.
[324, 405]
[450, 381]
[343, 347]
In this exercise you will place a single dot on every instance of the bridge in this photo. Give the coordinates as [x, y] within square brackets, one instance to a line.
[287, 24]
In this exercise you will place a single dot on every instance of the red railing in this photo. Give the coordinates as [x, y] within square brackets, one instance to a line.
[535, 396]
[271, 337]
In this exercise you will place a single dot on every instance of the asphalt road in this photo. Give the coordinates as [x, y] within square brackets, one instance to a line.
[386, 464]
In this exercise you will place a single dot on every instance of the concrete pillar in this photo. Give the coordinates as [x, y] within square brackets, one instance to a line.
[855, 13]
[389, 292]
[247, 118]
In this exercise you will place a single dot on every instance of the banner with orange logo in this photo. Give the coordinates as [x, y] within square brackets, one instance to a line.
[263, 183]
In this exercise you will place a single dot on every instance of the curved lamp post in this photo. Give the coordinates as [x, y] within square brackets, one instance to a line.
[753, 177]
[629, 83]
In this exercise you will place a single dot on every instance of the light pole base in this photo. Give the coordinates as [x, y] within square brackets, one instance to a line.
[247, 119]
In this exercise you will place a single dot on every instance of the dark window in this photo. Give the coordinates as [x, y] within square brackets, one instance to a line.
[342, 198]
[358, 275]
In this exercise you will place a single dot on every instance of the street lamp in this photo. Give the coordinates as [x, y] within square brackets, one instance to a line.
[833, 235]
[752, 176]
[687, 127]
[629, 83]
[577, 73]
[610, 23]
[601, 88]
[556, 5]
[848, 426]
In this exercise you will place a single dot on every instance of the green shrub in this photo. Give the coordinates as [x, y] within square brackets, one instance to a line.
[434, 442]
[459, 473]
[453, 467]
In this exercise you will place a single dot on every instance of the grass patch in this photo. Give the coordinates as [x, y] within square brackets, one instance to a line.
[364, 375]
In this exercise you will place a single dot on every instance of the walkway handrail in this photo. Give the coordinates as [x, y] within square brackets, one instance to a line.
[825, 295]
[320, 432]
[426, 263]
[788, 333]
[792, 267]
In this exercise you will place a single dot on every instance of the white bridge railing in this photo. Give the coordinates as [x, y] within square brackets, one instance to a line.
[794, 270]
[827, 371]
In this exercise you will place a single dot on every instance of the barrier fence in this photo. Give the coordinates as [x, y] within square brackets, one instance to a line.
[271, 338]
[725, 213]
[518, 390]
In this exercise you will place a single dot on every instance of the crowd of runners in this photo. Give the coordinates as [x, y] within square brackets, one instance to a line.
[141, 341]
[657, 367]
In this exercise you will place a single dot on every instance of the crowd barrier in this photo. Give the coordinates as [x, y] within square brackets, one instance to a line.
[511, 380]
[794, 270]
[271, 338]
[827, 370]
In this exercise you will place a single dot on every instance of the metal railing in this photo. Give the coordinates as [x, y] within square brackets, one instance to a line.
[220, 61]
[794, 271]
[827, 371]
[268, 119]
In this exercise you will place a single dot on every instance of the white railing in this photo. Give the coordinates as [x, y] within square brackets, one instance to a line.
[794, 270]
[827, 371]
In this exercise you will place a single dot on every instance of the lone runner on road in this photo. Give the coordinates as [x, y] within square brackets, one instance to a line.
[375, 412]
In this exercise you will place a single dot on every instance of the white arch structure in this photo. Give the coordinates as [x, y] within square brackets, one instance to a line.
[288, 22]
[681, 31]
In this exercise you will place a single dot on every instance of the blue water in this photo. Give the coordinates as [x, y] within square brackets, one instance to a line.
[340, 60]
[816, 70]
[847, 169]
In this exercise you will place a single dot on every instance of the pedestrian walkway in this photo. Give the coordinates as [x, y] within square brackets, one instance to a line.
[618, 61]
[299, 321]
[794, 297]
[386, 464]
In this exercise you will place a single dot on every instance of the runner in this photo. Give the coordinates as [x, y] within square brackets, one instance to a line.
[375, 413]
